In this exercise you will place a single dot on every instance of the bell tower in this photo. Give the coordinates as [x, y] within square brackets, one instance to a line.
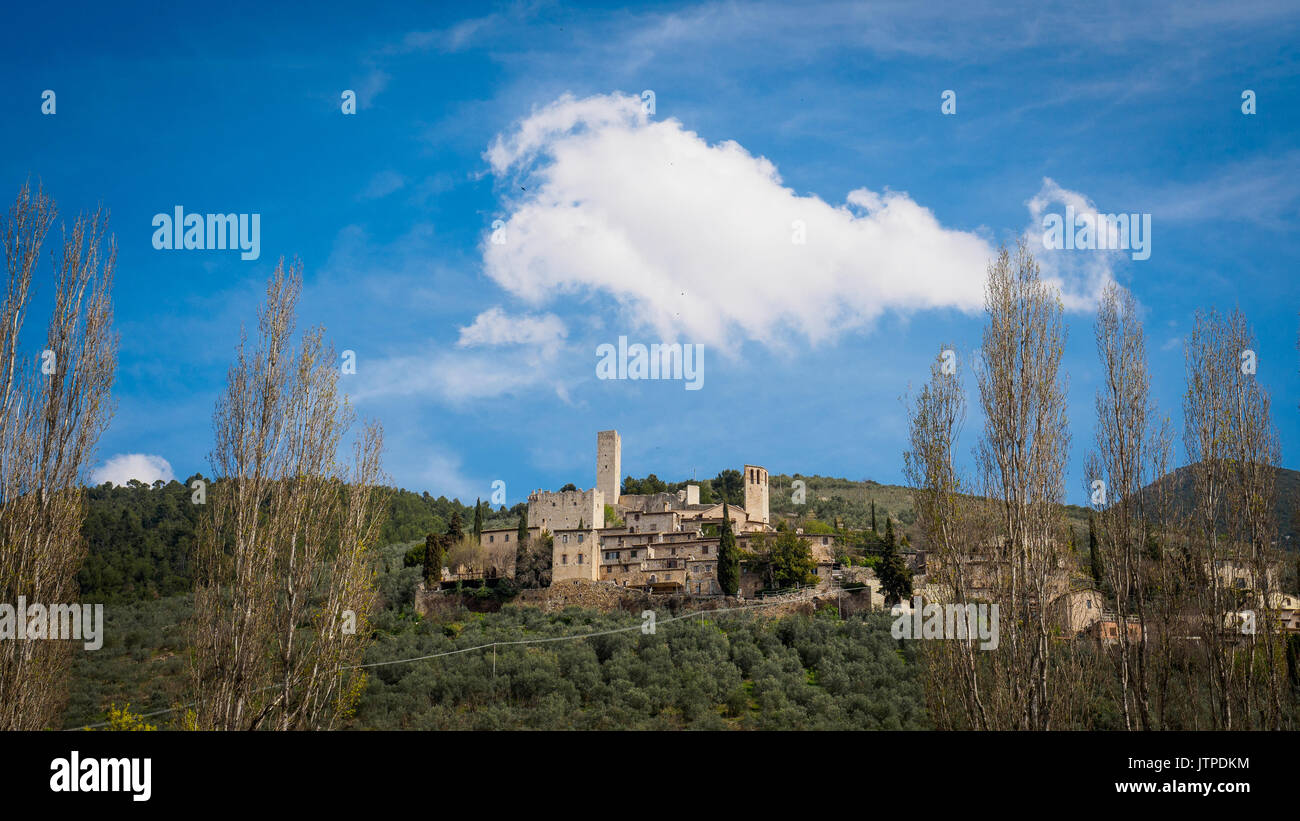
[756, 502]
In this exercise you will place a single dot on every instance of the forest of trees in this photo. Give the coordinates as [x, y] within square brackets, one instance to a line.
[728, 486]
[710, 673]
[141, 537]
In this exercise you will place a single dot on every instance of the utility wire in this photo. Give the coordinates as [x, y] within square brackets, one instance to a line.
[493, 644]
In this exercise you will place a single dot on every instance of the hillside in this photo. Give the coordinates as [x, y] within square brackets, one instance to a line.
[828, 498]
[1286, 506]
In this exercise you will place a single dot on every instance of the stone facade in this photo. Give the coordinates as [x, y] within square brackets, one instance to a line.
[576, 555]
[661, 545]
[609, 465]
[566, 509]
[756, 495]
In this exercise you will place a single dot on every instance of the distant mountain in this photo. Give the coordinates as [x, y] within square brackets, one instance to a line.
[1286, 506]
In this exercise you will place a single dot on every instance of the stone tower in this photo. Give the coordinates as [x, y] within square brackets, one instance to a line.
[756, 493]
[609, 465]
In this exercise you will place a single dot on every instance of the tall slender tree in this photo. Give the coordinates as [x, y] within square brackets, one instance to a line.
[1230, 439]
[1127, 447]
[54, 404]
[284, 557]
[728, 556]
[434, 553]
[956, 687]
[1022, 456]
[1094, 557]
[892, 570]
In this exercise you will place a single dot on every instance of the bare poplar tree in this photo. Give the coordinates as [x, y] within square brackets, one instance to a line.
[284, 575]
[947, 519]
[1022, 460]
[1233, 451]
[53, 408]
[1128, 447]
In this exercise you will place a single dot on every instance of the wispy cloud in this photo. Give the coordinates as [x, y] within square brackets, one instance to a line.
[383, 184]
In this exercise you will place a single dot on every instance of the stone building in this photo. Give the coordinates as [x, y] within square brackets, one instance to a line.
[659, 541]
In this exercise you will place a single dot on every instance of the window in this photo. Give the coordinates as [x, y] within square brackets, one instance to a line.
[634, 554]
[579, 558]
[491, 538]
[580, 538]
[564, 559]
[564, 539]
[507, 537]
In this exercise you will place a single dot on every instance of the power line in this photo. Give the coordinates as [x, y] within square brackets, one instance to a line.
[492, 645]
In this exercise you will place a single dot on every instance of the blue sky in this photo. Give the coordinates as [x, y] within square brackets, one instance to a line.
[675, 224]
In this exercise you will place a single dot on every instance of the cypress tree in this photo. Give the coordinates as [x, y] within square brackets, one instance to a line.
[892, 570]
[873, 515]
[728, 557]
[433, 557]
[455, 530]
[478, 520]
[524, 575]
[1094, 558]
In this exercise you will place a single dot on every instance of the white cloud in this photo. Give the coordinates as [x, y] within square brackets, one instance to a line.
[695, 240]
[495, 327]
[1081, 276]
[124, 467]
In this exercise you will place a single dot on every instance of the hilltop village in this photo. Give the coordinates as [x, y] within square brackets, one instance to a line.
[668, 543]
[661, 542]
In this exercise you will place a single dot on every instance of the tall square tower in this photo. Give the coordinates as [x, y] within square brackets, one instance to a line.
[609, 465]
[756, 499]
